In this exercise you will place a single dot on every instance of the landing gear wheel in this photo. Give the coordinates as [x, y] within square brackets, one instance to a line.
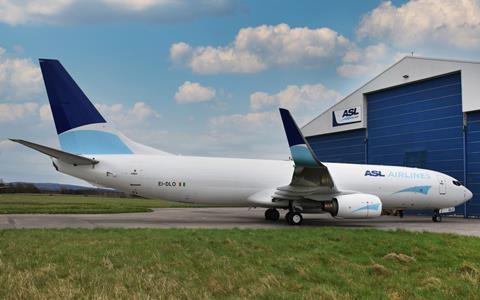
[288, 216]
[437, 217]
[268, 214]
[294, 218]
[272, 214]
[275, 215]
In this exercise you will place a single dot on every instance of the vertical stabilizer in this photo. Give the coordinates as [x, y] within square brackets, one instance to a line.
[70, 106]
[80, 127]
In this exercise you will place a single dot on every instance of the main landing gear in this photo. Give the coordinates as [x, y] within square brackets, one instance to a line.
[294, 218]
[272, 214]
[437, 217]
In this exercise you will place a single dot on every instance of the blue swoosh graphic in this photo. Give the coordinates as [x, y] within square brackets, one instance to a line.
[368, 207]
[92, 142]
[420, 189]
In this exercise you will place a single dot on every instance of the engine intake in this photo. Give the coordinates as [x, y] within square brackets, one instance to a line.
[354, 206]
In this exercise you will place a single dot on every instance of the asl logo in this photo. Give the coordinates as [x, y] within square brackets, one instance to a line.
[374, 173]
[350, 112]
[347, 116]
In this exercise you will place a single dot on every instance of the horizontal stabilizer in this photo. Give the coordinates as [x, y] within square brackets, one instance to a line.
[58, 154]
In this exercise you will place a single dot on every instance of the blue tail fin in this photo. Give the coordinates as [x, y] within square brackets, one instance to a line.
[81, 128]
[302, 154]
[70, 107]
[72, 111]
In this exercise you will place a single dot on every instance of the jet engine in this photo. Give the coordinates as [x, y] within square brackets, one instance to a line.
[354, 206]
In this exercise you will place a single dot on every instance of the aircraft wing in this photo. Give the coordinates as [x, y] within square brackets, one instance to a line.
[311, 179]
[58, 154]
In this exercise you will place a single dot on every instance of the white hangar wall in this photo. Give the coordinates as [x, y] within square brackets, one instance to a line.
[417, 68]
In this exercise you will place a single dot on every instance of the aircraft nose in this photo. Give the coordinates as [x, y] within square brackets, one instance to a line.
[468, 194]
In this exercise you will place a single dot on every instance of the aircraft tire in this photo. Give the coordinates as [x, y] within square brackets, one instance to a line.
[294, 218]
[288, 217]
[268, 214]
[272, 214]
[275, 215]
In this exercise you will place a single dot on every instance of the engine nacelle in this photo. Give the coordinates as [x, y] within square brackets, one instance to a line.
[354, 206]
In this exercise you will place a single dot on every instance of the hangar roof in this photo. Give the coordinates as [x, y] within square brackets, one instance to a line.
[407, 70]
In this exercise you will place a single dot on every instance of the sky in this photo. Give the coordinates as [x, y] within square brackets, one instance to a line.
[206, 77]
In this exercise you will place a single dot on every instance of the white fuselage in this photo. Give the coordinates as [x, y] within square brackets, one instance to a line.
[228, 181]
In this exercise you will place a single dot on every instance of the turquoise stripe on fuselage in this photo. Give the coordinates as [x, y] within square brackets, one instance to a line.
[92, 142]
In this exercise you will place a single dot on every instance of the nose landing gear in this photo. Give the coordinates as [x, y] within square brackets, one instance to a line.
[437, 217]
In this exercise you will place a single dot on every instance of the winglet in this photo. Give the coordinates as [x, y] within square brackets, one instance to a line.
[302, 154]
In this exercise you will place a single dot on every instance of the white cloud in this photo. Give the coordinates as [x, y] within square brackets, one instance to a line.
[45, 113]
[180, 53]
[190, 92]
[251, 120]
[124, 117]
[309, 97]
[15, 12]
[142, 111]
[20, 79]
[435, 22]
[305, 101]
[369, 61]
[11, 112]
[253, 135]
[210, 60]
[258, 48]
[133, 4]
[259, 132]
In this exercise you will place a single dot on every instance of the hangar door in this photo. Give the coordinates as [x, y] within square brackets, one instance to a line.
[473, 158]
[344, 147]
[419, 125]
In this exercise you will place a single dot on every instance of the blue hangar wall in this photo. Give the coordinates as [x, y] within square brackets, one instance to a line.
[420, 124]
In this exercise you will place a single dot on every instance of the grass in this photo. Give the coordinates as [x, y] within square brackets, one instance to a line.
[294, 263]
[72, 204]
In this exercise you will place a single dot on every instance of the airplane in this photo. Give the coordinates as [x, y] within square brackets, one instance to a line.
[92, 149]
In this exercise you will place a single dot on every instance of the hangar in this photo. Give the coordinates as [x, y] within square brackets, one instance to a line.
[420, 112]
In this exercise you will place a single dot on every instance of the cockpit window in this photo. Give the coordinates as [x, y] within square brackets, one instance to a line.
[457, 183]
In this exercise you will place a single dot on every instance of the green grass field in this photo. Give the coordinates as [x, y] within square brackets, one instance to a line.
[324, 263]
[72, 204]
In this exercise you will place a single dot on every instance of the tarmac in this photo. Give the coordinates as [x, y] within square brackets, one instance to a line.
[230, 218]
